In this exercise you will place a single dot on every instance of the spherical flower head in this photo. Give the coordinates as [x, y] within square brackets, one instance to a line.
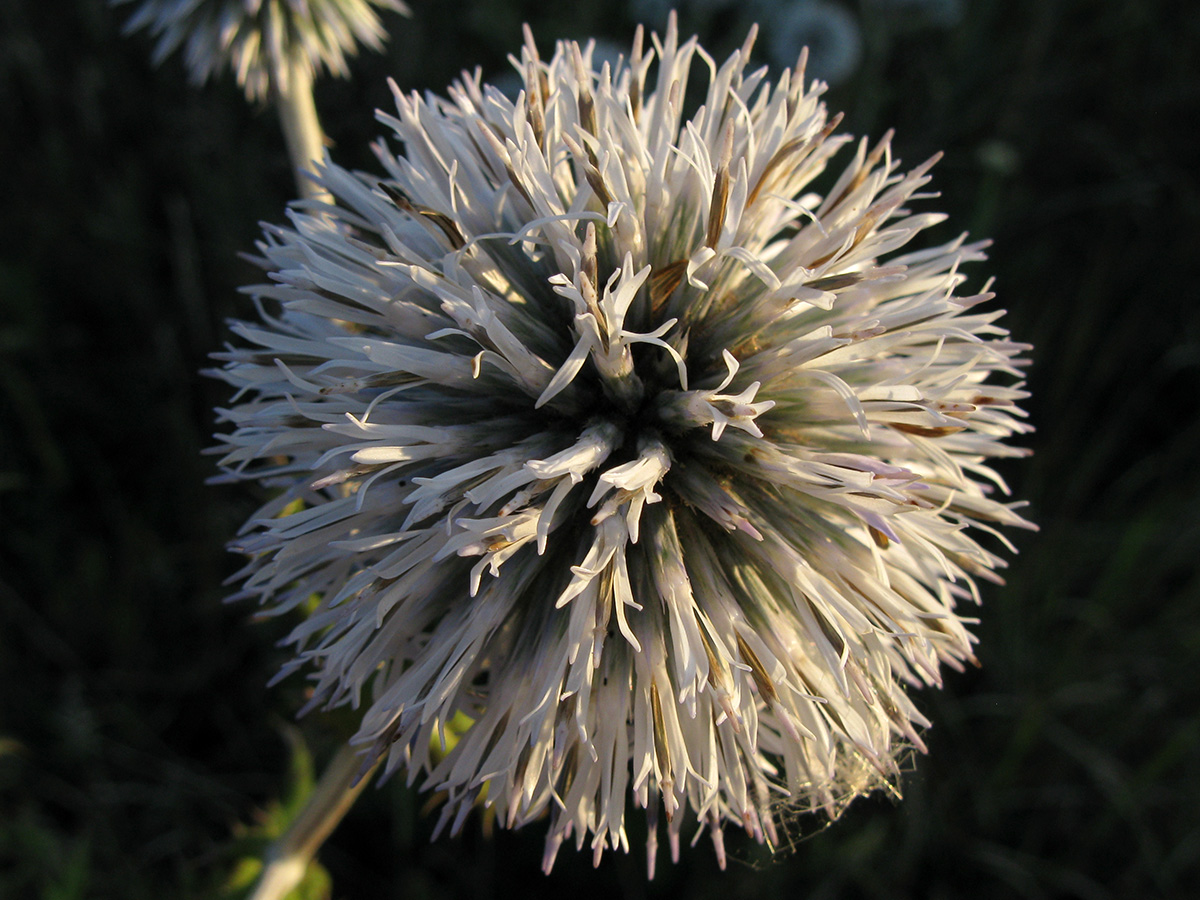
[260, 39]
[632, 438]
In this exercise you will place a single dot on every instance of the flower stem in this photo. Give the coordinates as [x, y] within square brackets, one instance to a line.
[288, 857]
[293, 95]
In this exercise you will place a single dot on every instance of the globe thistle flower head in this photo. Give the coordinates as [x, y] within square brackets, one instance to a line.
[640, 440]
[261, 39]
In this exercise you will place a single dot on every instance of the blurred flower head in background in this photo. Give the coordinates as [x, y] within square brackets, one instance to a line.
[653, 11]
[635, 438]
[944, 13]
[260, 39]
[829, 32]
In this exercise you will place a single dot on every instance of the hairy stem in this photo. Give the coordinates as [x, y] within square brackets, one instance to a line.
[293, 95]
[288, 858]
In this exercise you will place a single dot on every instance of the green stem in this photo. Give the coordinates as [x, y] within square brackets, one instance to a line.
[293, 94]
[288, 858]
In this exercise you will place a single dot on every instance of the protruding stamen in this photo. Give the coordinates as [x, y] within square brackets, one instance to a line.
[720, 192]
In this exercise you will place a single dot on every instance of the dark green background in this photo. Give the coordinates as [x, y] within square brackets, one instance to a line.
[135, 726]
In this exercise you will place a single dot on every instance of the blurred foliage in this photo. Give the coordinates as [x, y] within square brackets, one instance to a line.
[135, 726]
